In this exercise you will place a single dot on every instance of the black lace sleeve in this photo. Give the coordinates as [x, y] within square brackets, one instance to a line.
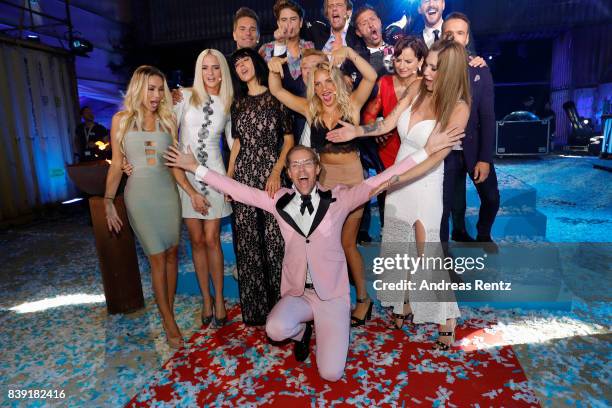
[234, 115]
[286, 120]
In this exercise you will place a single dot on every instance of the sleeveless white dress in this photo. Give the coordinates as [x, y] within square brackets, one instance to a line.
[202, 132]
[419, 200]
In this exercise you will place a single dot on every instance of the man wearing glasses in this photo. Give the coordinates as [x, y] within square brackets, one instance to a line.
[314, 282]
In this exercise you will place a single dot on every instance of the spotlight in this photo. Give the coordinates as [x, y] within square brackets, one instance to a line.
[33, 37]
[80, 46]
[490, 57]
[74, 200]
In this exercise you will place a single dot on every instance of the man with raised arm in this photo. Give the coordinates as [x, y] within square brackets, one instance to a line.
[314, 282]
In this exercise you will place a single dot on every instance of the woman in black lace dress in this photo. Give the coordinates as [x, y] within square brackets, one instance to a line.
[261, 127]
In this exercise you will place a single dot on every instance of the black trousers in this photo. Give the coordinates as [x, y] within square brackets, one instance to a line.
[454, 200]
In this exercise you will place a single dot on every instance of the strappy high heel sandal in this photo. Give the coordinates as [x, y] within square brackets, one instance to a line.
[403, 317]
[356, 321]
[439, 345]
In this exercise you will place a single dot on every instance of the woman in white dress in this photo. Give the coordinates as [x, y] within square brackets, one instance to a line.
[413, 211]
[203, 115]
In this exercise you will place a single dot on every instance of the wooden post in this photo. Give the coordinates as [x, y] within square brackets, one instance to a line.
[118, 261]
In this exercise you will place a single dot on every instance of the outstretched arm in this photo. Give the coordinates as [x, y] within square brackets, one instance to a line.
[455, 130]
[359, 194]
[349, 132]
[238, 191]
[437, 143]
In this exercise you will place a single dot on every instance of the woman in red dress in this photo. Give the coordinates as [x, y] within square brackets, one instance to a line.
[408, 57]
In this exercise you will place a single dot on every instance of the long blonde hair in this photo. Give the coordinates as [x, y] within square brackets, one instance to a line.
[133, 108]
[343, 98]
[451, 84]
[226, 91]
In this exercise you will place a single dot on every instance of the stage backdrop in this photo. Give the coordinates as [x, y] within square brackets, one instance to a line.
[38, 97]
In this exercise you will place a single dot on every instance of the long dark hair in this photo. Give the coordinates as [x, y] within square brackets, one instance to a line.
[261, 70]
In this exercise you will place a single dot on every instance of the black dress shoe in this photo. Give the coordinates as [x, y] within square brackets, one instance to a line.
[462, 236]
[301, 348]
[487, 244]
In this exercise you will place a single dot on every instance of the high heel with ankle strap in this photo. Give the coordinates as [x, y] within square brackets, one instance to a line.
[356, 321]
[403, 317]
[439, 345]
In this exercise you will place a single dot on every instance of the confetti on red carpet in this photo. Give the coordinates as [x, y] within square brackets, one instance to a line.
[234, 365]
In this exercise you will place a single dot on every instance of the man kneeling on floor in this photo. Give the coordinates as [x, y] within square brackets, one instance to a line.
[314, 283]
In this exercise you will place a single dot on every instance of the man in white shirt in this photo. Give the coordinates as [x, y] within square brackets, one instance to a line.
[431, 10]
[314, 283]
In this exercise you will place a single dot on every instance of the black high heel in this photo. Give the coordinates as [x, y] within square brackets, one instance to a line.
[355, 321]
[220, 322]
[438, 345]
[207, 319]
[403, 317]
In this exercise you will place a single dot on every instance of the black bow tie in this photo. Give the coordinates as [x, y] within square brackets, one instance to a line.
[306, 203]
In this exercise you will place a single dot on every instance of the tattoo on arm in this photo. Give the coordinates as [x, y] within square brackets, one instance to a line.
[371, 128]
[394, 112]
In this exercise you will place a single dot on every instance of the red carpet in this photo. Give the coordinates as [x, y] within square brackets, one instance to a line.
[236, 366]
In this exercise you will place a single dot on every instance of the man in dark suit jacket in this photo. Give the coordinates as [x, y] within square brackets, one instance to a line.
[339, 32]
[431, 11]
[431, 29]
[476, 156]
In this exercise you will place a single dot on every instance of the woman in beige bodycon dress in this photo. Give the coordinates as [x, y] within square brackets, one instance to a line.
[141, 133]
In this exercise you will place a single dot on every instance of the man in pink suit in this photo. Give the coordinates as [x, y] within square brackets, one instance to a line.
[314, 283]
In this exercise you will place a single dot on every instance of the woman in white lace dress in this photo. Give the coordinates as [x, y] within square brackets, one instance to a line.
[203, 115]
[413, 211]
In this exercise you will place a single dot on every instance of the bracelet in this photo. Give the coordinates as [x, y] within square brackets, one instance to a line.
[109, 198]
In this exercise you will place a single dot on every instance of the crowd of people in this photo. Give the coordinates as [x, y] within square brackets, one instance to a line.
[296, 115]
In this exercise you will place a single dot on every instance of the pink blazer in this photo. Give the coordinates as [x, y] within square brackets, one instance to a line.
[321, 248]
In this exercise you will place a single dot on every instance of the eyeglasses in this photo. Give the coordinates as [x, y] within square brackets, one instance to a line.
[306, 163]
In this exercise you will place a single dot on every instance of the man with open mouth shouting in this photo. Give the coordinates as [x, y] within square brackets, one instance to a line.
[431, 10]
[314, 283]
